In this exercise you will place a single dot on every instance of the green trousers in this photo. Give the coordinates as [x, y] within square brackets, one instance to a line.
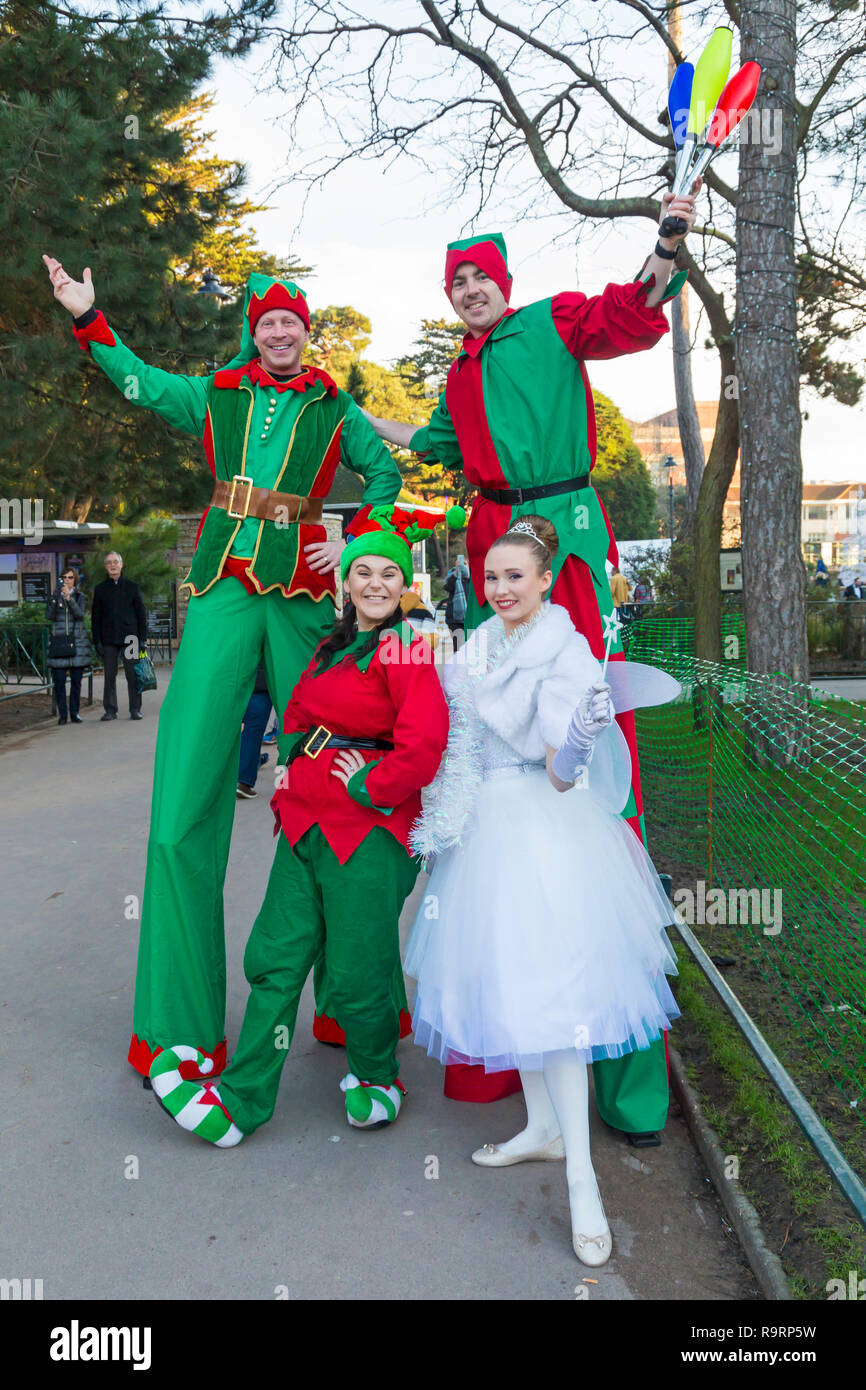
[181, 978]
[347, 912]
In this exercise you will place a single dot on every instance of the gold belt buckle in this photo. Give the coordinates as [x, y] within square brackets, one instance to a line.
[320, 729]
[239, 478]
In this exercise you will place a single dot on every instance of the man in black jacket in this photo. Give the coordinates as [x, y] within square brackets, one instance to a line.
[119, 626]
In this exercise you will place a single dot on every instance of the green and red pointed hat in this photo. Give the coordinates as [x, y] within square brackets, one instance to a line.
[488, 252]
[262, 294]
[391, 531]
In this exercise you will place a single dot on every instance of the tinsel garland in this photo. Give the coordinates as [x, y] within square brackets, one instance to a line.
[450, 798]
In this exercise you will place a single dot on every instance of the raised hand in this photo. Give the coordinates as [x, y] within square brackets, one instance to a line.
[75, 295]
[682, 207]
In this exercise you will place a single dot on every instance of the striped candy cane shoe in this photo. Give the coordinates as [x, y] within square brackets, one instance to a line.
[195, 1107]
[368, 1106]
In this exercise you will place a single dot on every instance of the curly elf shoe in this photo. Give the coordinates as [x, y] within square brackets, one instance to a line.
[195, 1107]
[369, 1106]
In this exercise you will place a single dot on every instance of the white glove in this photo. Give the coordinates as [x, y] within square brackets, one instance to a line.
[594, 713]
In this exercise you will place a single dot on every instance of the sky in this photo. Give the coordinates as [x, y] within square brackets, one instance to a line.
[377, 242]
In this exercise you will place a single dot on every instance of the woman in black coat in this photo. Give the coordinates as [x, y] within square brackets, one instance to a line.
[69, 645]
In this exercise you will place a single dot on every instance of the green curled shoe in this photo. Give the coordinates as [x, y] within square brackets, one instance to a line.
[196, 1107]
[369, 1106]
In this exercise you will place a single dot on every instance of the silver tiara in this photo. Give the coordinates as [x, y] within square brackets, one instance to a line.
[525, 529]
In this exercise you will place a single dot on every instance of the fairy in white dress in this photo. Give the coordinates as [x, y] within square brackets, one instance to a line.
[540, 942]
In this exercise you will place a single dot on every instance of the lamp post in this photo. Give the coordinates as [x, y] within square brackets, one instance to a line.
[670, 464]
[211, 286]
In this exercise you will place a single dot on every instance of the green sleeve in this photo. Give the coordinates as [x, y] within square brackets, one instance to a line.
[438, 438]
[357, 789]
[181, 400]
[362, 450]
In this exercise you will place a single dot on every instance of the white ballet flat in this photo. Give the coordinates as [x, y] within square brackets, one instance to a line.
[491, 1156]
[593, 1250]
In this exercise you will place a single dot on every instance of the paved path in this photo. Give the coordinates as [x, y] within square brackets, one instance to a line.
[306, 1204]
[849, 688]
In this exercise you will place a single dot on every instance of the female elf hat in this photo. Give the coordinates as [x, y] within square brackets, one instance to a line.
[392, 531]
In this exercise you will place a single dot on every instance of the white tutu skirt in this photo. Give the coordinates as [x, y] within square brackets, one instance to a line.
[543, 931]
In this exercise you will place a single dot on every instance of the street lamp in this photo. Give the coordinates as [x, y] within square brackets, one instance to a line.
[670, 464]
[210, 285]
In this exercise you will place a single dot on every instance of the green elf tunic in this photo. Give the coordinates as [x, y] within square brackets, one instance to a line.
[517, 413]
[253, 597]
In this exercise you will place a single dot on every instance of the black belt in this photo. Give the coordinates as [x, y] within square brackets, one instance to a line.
[316, 739]
[510, 495]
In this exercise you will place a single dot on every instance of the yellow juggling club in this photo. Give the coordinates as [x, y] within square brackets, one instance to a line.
[711, 74]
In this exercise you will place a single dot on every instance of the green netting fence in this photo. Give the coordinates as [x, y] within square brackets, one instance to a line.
[755, 804]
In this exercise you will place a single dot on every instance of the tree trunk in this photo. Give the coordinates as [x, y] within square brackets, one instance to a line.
[708, 516]
[687, 413]
[774, 576]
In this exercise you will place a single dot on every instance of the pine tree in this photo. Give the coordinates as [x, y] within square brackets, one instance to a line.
[102, 164]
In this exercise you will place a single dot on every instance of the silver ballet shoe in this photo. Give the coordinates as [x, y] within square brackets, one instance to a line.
[491, 1156]
[592, 1250]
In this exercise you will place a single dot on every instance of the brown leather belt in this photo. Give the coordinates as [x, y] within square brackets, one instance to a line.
[241, 500]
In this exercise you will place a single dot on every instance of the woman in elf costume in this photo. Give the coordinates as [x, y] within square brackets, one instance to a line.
[548, 948]
[367, 725]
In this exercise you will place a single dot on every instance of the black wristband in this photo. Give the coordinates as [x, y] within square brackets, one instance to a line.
[86, 318]
[666, 255]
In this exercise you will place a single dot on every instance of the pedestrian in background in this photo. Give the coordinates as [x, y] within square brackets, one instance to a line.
[256, 716]
[119, 627]
[457, 588]
[68, 645]
[619, 589]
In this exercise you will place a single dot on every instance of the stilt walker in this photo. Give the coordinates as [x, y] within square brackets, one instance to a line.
[261, 588]
[517, 416]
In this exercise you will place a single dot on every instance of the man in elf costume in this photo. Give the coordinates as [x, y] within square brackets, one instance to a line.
[517, 417]
[261, 587]
[368, 725]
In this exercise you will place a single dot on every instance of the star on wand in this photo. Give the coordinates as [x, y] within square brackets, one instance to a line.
[612, 626]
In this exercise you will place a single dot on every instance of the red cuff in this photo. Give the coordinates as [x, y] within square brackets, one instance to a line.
[96, 332]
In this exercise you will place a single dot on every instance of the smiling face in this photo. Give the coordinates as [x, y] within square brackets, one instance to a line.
[513, 585]
[375, 585]
[280, 337]
[477, 299]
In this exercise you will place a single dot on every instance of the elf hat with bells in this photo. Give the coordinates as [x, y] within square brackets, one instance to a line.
[391, 531]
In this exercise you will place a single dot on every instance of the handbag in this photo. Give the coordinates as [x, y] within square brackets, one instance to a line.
[145, 676]
[61, 645]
